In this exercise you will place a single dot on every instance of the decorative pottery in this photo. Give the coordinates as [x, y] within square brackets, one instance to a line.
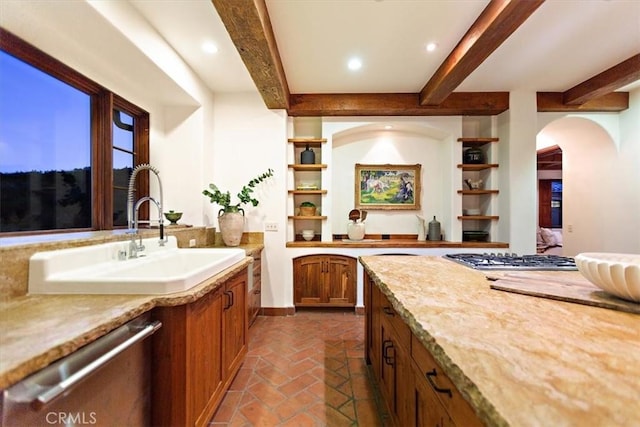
[355, 230]
[434, 229]
[473, 155]
[173, 217]
[231, 224]
[307, 209]
[422, 228]
[307, 157]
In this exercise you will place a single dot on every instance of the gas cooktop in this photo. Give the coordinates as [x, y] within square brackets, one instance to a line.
[514, 262]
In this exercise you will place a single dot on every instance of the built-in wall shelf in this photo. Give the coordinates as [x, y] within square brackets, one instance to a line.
[302, 142]
[307, 192]
[477, 167]
[314, 217]
[470, 142]
[479, 217]
[302, 168]
[477, 192]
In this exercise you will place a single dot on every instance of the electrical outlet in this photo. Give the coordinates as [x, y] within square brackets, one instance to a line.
[270, 226]
[570, 228]
[192, 243]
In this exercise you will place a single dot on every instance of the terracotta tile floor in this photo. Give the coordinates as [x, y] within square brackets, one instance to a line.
[303, 370]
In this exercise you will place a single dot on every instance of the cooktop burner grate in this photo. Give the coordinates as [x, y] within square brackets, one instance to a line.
[514, 262]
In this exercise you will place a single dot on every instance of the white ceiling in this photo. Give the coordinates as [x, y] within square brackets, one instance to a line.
[561, 45]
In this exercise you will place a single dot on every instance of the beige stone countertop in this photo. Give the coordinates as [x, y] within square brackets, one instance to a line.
[36, 330]
[519, 360]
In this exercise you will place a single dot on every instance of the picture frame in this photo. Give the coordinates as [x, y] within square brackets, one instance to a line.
[387, 186]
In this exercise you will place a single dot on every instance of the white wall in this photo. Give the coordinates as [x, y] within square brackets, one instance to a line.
[601, 178]
[248, 139]
[517, 174]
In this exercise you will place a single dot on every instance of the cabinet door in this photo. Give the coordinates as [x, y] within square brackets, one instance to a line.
[396, 377]
[204, 358]
[234, 323]
[308, 279]
[340, 281]
[387, 366]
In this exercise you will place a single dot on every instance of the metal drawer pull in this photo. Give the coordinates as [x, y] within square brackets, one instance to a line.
[47, 396]
[433, 373]
[388, 311]
[386, 345]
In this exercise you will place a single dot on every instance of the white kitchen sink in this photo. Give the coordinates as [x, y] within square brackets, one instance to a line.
[98, 270]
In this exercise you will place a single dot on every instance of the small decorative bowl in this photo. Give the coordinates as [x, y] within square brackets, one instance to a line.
[308, 235]
[173, 217]
[617, 274]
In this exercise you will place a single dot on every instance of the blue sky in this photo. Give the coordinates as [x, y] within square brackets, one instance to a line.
[44, 123]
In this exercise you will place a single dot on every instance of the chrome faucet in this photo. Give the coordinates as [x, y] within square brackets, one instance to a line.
[132, 211]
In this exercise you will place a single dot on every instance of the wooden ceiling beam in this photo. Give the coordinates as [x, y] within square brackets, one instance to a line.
[397, 104]
[249, 26]
[552, 102]
[494, 25]
[619, 75]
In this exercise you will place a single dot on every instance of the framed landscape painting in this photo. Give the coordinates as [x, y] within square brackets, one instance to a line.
[387, 186]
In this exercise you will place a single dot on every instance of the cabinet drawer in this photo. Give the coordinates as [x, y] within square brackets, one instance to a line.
[457, 407]
[389, 314]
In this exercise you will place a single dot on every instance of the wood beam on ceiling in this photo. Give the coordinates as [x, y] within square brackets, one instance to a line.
[494, 25]
[552, 102]
[619, 75]
[397, 104]
[249, 26]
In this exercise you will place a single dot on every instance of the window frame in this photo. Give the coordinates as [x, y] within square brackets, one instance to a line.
[103, 101]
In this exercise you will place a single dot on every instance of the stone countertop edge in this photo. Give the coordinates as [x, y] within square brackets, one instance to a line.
[559, 387]
[484, 409]
[37, 330]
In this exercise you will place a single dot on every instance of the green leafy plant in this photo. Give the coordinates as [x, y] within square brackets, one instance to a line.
[307, 205]
[245, 195]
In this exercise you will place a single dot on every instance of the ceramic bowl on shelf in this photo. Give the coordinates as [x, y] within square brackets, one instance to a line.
[471, 212]
[173, 217]
[308, 234]
[614, 273]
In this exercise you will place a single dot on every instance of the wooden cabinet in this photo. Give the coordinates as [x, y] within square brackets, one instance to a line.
[324, 280]
[396, 379]
[479, 181]
[307, 187]
[197, 353]
[254, 296]
[234, 325]
[413, 386]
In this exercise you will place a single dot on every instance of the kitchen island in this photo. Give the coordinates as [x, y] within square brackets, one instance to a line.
[517, 360]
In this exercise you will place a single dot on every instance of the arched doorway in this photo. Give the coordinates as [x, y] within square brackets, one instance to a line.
[589, 183]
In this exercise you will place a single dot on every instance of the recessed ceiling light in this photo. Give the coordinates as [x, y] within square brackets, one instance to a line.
[431, 47]
[354, 64]
[209, 47]
[388, 127]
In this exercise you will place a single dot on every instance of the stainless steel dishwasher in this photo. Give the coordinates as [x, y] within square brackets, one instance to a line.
[104, 383]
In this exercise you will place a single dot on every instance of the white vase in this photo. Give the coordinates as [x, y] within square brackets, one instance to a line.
[355, 230]
[231, 225]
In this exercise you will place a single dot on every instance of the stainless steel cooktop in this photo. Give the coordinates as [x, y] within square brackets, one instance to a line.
[506, 261]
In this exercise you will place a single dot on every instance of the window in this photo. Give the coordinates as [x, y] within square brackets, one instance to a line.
[67, 146]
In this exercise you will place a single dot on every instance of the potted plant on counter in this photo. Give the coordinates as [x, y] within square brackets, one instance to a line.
[231, 216]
